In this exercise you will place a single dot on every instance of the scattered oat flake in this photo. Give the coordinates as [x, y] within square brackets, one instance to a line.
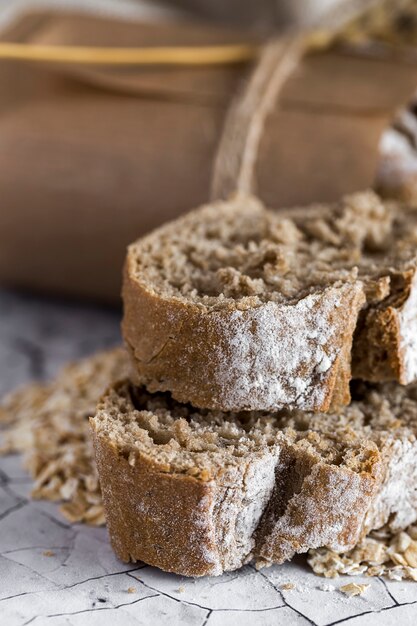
[48, 553]
[181, 589]
[288, 586]
[411, 554]
[381, 553]
[131, 590]
[353, 589]
[48, 424]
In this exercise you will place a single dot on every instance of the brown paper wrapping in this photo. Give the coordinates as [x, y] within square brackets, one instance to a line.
[91, 158]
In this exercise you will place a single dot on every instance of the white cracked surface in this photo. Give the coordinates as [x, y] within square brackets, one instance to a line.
[55, 574]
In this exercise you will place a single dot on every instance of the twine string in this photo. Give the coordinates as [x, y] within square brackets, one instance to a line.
[235, 161]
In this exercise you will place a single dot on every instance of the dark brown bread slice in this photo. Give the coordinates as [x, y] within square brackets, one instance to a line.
[385, 339]
[234, 307]
[200, 492]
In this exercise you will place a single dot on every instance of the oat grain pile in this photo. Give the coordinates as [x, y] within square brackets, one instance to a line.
[379, 554]
[48, 424]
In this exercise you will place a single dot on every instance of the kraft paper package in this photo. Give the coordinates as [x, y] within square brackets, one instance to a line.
[93, 157]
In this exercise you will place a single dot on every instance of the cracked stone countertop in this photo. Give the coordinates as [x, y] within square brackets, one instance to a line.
[53, 573]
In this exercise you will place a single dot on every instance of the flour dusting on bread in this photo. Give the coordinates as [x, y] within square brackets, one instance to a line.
[264, 486]
[235, 307]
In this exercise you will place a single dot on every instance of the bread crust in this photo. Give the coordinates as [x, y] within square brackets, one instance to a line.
[243, 360]
[169, 520]
[282, 500]
[153, 516]
[385, 342]
[328, 511]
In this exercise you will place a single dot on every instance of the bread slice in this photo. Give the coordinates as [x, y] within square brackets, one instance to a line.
[235, 307]
[385, 339]
[200, 492]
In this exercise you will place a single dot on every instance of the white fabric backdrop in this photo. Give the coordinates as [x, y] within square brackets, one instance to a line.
[121, 8]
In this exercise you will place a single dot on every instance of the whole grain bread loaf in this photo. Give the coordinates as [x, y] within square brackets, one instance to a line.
[200, 492]
[235, 307]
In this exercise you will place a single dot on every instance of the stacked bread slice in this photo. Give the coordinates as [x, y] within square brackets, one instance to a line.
[240, 435]
[238, 308]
